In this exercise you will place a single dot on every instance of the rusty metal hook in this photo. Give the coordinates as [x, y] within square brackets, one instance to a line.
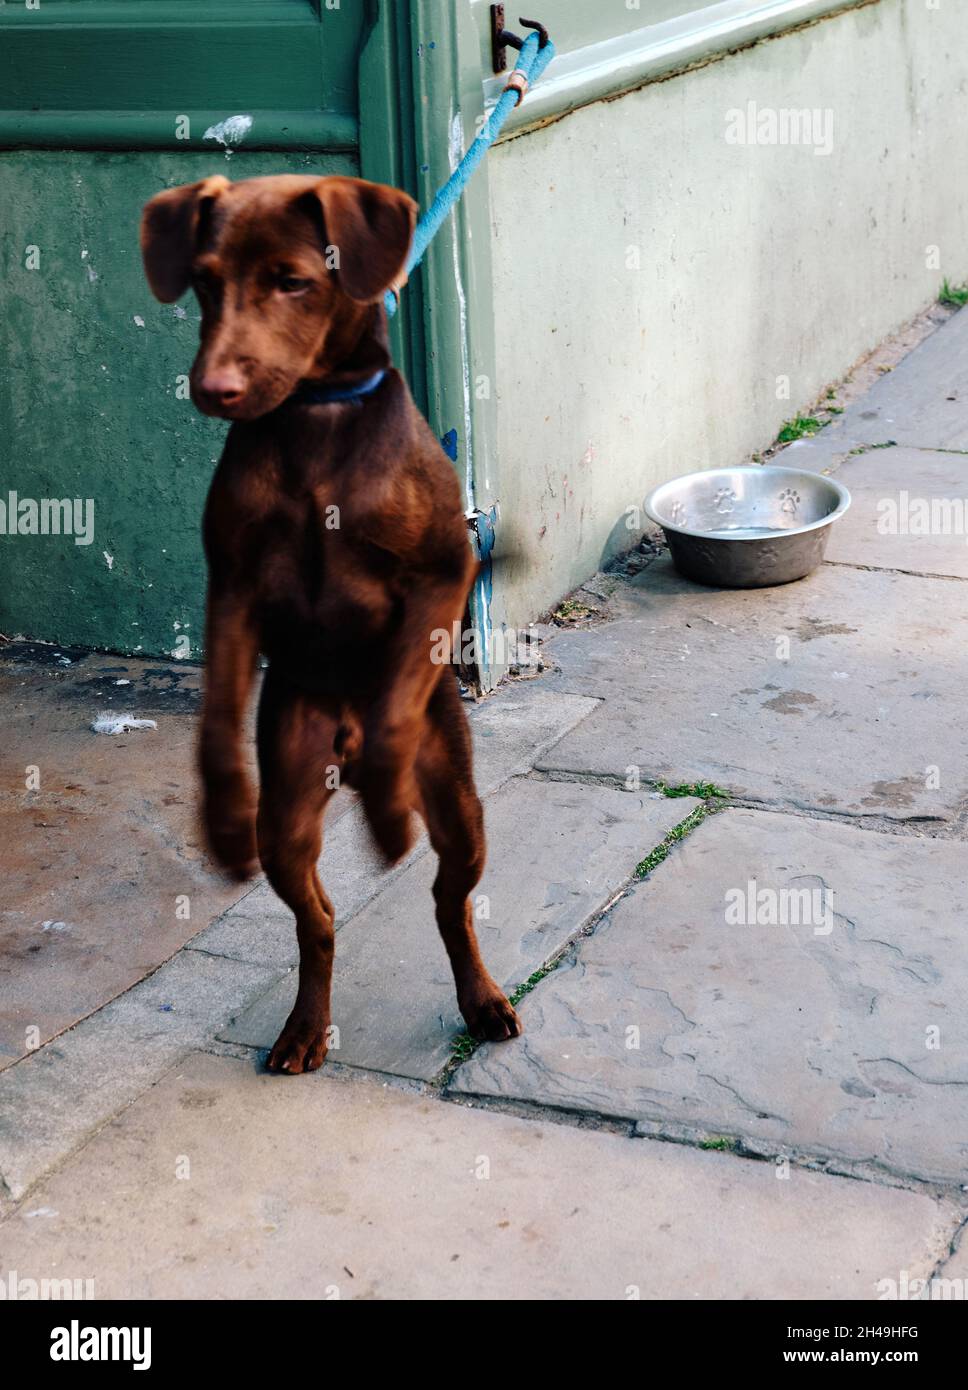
[502, 39]
[542, 31]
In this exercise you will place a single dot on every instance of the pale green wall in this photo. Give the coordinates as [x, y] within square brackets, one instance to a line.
[755, 262]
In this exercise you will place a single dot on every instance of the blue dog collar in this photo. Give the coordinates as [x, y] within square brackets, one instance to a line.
[331, 395]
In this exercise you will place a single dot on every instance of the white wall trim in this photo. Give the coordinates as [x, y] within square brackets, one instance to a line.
[630, 60]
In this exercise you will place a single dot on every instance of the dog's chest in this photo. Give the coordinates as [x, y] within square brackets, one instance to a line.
[319, 572]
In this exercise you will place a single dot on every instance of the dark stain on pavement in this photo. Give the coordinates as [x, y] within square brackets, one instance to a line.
[791, 701]
[812, 628]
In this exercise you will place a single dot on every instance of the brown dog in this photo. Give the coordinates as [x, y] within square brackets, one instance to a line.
[337, 547]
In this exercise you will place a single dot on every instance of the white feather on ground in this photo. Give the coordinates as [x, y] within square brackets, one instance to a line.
[120, 723]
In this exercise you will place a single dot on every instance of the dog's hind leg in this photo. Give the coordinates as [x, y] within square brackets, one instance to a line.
[452, 809]
[299, 770]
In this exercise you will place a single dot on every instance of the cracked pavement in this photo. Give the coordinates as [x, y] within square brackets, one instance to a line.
[745, 1073]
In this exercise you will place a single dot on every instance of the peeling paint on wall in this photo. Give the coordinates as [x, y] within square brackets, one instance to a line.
[231, 131]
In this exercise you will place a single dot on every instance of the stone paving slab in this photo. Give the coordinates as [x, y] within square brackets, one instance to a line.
[337, 1187]
[57, 1095]
[51, 1101]
[509, 730]
[895, 495]
[103, 858]
[814, 1038]
[922, 402]
[697, 688]
[557, 852]
[517, 724]
[957, 1266]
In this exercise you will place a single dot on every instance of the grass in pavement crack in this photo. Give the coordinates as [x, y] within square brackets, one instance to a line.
[518, 993]
[677, 833]
[465, 1046]
[462, 1047]
[705, 791]
[954, 295]
[800, 427]
[713, 797]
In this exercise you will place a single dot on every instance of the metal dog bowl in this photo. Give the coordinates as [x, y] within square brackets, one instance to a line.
[743, 528]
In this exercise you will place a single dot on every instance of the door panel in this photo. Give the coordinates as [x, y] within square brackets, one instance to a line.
[106, 104]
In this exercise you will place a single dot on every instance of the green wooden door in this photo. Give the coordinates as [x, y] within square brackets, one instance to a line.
[105, 103]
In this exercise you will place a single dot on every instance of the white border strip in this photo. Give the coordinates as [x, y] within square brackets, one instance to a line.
[629, 60]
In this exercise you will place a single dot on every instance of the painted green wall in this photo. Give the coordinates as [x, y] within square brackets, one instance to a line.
[89, 401]
[106, 102]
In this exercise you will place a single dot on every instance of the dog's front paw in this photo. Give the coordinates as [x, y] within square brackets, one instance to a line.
[388, 788]
[393, 832]
[231, 835]
[300, 1047]
[491, 1017]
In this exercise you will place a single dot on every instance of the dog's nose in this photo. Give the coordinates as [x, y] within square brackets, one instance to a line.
[226, 387]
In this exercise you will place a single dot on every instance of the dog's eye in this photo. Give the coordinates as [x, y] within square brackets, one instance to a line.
[292, 284]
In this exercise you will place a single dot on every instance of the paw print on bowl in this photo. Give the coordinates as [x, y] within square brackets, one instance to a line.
[789, 501]
[677, 513]
[725, 498]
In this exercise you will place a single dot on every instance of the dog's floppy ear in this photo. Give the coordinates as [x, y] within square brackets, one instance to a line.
[370, 226]
[169, 227]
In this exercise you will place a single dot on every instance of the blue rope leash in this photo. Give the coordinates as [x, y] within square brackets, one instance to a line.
[532, 62]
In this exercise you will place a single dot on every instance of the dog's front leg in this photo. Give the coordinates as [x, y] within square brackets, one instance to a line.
[394, 723]
[229, 809]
